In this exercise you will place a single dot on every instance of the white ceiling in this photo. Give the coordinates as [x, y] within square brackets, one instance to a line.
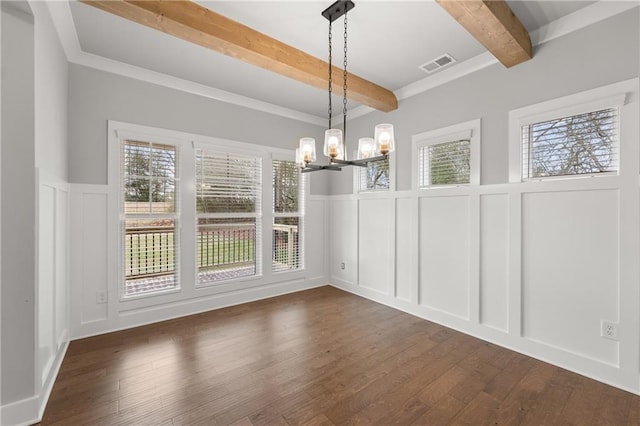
[388, 41]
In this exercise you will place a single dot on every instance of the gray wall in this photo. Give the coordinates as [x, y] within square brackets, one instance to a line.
[18, 205]
[51, 89]
[97, 96]
[594, 56]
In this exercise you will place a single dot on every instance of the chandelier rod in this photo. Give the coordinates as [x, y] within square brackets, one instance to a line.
[344, 88]
[330, 77]
[383, 143]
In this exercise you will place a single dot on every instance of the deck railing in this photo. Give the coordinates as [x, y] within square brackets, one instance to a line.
[285, 247]
[150, 250]
[223, 245]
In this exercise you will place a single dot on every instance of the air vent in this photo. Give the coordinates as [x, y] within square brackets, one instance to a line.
[438, 63]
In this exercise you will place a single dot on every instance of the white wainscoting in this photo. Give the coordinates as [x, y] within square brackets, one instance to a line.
[94, 269]
[494, 255]
[445, 240]
[406, 258]
[533, 266]
[343, 257]
[53, 282]
[316, 239]
[570, 255]
[375, 245]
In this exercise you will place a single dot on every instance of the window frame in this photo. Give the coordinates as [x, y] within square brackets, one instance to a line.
[115, 169]
[300, 214]
[259, 214]
[470, 130]
[392, 177]
[611, 96]
[119, 130]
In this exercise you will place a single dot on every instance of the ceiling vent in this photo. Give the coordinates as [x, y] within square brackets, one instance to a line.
[438, 63]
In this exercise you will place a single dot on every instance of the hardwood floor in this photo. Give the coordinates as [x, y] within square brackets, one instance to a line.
[319, 357]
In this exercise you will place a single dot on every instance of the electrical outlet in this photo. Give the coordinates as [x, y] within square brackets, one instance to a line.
[609, 330]
[101, 297]
[342, 266]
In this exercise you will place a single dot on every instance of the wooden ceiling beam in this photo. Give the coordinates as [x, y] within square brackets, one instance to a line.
[194, 23]
[493, 24]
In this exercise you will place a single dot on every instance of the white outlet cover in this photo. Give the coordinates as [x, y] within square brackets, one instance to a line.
[609, 330]
[101, 297]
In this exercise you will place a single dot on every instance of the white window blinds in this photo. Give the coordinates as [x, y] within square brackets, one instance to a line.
[374, 177]
[149, 217]
[228, 183]
[445, 163]
[573, 145]
[228, 208]
[288, 216]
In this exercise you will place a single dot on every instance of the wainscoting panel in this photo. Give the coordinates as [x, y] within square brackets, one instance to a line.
[406, 248]
[376, 225]
[494, 261]
[570, 270]
[52, 283]
[94, 255]
[93, 252]
[315, 239]
[444, 254]
[46, 277]
[550, 266]
[343, 237]
[62, 267]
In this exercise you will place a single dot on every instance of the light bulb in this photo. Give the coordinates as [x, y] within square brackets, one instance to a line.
[333, 144]
[365, 148]
[308, 149]
[384, 139]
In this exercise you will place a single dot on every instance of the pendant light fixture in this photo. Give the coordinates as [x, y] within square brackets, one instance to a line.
[369, 149]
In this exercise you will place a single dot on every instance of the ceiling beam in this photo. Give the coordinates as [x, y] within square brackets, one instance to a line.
[194, 23]
[493, 24]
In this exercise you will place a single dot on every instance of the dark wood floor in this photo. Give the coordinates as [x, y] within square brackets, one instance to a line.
[318, 357]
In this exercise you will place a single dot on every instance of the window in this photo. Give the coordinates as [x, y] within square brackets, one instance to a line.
[228, 215]
[149, 217]
[448, 156]
[572, 136]
[163, 182]
[573, 145]
[445, 163]
[374, 177]
[288, 215]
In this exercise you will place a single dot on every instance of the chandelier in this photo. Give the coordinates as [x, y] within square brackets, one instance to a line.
[369, 149]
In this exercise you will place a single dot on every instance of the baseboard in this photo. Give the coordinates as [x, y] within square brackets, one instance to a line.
[29, 411]
[51, 379]
[183, 308]
[589, 368]
[19, 413]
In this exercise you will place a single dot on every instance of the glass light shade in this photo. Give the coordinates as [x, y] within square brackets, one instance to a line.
[307, 149]
[366, 148]
[385, 142]
[299, 158]
[333, 144]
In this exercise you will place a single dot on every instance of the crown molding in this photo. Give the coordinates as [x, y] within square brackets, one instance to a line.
[65, 27]
[599, 11]
[575, 21]
[459, 70]
[165, 80]
[63, 22]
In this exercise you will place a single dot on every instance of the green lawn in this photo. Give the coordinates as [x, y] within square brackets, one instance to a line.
[153, 253]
